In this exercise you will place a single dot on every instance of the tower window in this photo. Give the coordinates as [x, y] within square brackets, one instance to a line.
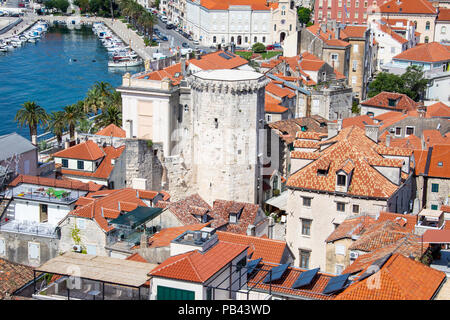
[341, 180]
[216, 123]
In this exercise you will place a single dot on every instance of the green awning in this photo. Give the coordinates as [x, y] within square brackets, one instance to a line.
[135, 218]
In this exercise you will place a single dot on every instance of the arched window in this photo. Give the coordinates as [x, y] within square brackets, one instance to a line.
[427, 25]
[232, 39]
[290, 27]
[214, 39]
[443, 30]
[186, 108]
[264, 39]
[415, 24]
[274, 27]
[255, 40]
[246, 39]
[426, 39]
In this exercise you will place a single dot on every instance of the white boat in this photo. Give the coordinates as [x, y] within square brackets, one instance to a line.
[3, 49]
[124, 62]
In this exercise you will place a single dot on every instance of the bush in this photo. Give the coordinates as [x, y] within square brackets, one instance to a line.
[258, 48]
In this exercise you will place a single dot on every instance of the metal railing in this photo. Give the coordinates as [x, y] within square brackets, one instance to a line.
[30, 227]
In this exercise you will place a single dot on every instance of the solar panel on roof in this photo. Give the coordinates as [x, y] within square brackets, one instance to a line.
[223, 55]
[277, 273]
[251, 265]
[305, 278]
[336, 283]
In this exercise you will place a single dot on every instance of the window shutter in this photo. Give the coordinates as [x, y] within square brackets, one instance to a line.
[340, 249]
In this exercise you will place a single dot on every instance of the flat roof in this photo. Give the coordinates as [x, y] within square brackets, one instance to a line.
[228, 75]
[106, 269]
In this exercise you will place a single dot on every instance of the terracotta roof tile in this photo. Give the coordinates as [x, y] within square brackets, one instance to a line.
[195, 266]
[57, 183]
[427, 52]
[88, 150]
[351, 143]
[105, 167]
[268, 249]
[400, 278]
[112, 131]
[13, 276]
[272, 105]
[407, 7]
[166, 235]
[444, 14]
[283, 286]
[438, 109]
[359, 121]
[381, 100]
[288, 129]
[224, 5]
[350, 227]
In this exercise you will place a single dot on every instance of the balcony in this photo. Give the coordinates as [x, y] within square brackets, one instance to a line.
[30, 227]
[45, 194]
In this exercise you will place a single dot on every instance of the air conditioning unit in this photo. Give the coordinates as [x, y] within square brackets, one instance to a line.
[354, 255]
[76, 248]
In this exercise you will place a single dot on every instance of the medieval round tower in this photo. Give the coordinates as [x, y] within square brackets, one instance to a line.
[227, 126]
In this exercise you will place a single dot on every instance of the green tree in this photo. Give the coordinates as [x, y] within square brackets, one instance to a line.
[83, 5]
[73, 114]
[57, 124]
[385, 82]
[258, 47]
[111, 115]
[414, 82]
[31, 115]
[304, 15]
[85, 125]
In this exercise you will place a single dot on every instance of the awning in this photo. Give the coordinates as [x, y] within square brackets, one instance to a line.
[135, 218]
[280, 201]
[431, 214]
[97, 268]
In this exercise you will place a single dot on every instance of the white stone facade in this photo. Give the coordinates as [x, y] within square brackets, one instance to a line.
[240, 24]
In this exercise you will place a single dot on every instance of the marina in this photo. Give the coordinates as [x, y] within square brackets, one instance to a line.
[54, 71]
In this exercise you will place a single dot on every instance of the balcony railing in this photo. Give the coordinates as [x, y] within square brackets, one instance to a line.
[30, 227]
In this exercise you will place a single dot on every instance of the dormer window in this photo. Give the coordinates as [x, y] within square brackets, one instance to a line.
[392, 102]
[321, 172]
[80, 165]
[233, 218]
[65, 163]
[341, 180]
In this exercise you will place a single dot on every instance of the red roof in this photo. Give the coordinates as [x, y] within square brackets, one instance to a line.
[283, 286]
[354, 32]
[444, 14]
[438, 109]
[350, 144]
[273, 105]
[57, 183]
[268, 249]
[215, 60]
[106, 206]
[426, 52]
[400, 278]
[381, 100]
[328, 37]
[388, 30]
[359, 121]
[408, 7]
[112, 131]
[436, 164]
[88, 150]
[437, 236]
[224, 5]
[196, 266]
[164, 237]
[105, 167]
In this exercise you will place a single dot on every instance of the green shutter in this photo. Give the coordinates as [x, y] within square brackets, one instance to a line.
[167, 293]
[434, 187]
[434, 207]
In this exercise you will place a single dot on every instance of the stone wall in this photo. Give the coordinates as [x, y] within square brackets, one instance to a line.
[143, 160]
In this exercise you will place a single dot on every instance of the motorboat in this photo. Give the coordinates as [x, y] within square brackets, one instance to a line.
[124, 62]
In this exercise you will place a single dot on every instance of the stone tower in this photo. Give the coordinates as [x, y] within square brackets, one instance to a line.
[227, 117]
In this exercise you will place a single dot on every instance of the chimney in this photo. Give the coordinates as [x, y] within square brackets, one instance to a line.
[144, 243]
[183, 66]
[251, 230]
[66, 144]
[197, 54]
[372, 132]
[337, 32]
[388, 140]
[34, 139]
[339, 124]
[332, 129]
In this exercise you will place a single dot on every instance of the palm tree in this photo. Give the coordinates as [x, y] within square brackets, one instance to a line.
[73, 114]
[57, 124]
[31, 115]
[85, 126]
[98, 97]
[111, 115]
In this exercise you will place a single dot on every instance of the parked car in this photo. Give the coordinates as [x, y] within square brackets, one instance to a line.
[277, 46]
[190, 37]
[185, 45]
[164, 38]
[196, 42]
[270, 47]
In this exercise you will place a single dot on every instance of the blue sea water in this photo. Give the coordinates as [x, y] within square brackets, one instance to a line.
[45, 72]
